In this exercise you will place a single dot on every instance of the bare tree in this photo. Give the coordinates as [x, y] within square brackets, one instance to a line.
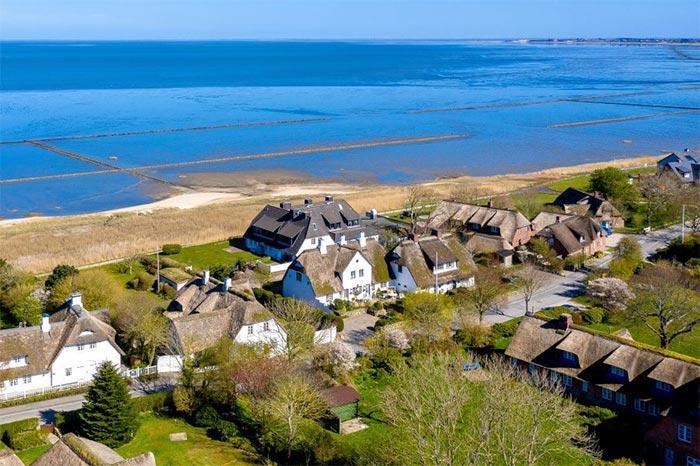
[299, 322]
[139, 320]
[667, 301]
[419, 199]
[530, 280]
[485, 296]
[468, 194]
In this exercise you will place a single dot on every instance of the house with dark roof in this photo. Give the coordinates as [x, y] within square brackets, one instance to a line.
[685, 168]
[432, 263]
[71, 450]
[594, 205]
[283, 232]
[574, 235]
[484, 229]
[654, 385]
[66, 349]
[351, 271]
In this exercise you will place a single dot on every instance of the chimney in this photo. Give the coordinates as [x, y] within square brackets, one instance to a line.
[558, 219]
[343, 241]
[363, 240]
[75, 299]
[490, 204]
[329, 198]
[323, 249]
[565, 321]
[227, 283]
[307, 201]
[286, 205]
[205, 277]
[45, 325]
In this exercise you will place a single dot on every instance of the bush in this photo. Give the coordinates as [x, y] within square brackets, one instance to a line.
[183, 401]
[154, 402]
[170, 249]
[594, 315]
[67, 421]
[60, 272]
[143, 281]
[16, 427]
[475, 336]
[264, 296]
[340, 305]
[594, 415]
[206, 417]
[223, 430]
[27, 439]
[167, 291]
[505, 329]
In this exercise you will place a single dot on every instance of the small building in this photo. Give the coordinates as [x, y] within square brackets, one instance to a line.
[574, 235]
[431, 263]
[685, 168]
[66, 349]
[71, 450]
[285, 231]
[343, 401]
[594, 205]
[351, 271]
[174, 277]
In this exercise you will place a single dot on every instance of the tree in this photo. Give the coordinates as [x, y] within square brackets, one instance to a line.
[429, 313]
[107, 415]
[396, 338]
[613, 183]
[628, 257]
[336, 358]
[527, 420]
[428, 404]
[485, 296]
[28, 310]
[292, 401]
[611, 293]
[529, 203]
[667, 301]
[99, 289]
[418, 198]
[529, 280]
[140, 322]
[59, 273]
[546, 255]
[663, 195]
[467, 194]
[299, 321]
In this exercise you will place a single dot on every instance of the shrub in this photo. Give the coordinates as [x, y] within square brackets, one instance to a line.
[475, 336]
[168, 291]
[594, 315]
[27, 439]
[206, 417]
[594, 415]
[23, 425]
[142, 282]
[60, 272]
[223, 430]
[183, 400]
[154, 402]
[265, 296]
[67, 421]
[340, 305]
[170, 249]
[505, 329]
[339, 323]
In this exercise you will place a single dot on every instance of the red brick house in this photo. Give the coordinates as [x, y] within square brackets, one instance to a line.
[574, 235]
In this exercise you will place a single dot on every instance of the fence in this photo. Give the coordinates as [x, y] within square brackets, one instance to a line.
[140, 372]
[41, 391]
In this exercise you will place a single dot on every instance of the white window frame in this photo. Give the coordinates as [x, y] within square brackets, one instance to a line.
[692, 461]
[352, 274]
[685, 433]
[606, 394]
[266, 326]
[569, 356]
[616, 371]
[27, 379]
[81, 347]
[14, 382]
[93, 345]
[653, 409]
[361, 273]
[250, 329]
[69, 371]
[663, 386]
[567, 380]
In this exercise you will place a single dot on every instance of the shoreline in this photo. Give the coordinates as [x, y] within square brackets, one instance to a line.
[211, 213]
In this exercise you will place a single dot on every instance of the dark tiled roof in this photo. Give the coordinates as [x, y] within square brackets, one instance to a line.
[573, 233]
[507, 221]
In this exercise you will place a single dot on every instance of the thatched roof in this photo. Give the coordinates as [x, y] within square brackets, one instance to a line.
[486, 244]
[71, 450]
[69, 326]
[583, 203]
[418, 257]
[455, 213]
[573, 233]
[8, 458]
[675, 372]
[544, 219]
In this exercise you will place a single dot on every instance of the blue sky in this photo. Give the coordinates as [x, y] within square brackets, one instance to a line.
[343, 19]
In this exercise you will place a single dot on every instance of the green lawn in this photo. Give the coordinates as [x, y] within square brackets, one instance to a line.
[578, 182]
[207, 255]
[32, 454]
[123, 278]
[198, 449]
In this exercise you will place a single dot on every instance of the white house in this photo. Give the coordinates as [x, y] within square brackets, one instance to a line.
[65, 349]
[286, 231]
[431, 263]
[353, 270]
[206, 310]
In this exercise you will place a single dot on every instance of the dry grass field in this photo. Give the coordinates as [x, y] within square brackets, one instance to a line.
[36, 245]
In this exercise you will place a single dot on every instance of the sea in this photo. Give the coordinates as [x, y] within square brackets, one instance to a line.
[91, 126]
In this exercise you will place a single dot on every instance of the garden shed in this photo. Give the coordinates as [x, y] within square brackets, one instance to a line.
[343, 401]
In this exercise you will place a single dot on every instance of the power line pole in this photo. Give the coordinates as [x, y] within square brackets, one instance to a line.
[683, 224]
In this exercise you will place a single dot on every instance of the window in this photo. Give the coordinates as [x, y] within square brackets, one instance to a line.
[514, 362]
[584, 386]
[685, 433]
[690, 461]
[361, 273]
[569, 356]
[653, 409]
[266, 326]
[14, 382]
[27, 379]
[606, 394]
[531, 368]
[640, 405]
[400, 269]
[81, 347]
[93, 345]
[617, 372]
[554, 376]
[19, 359]
[298, 275]
[568, 381]
[69, 371]
[352, 274]
[314, 226]
[313, 241]
[621, 399]
[663, 386]
[250, 330]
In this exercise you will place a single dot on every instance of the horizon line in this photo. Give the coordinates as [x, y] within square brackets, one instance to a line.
[355, 39]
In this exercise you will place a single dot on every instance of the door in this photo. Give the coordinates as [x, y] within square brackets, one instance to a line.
[668, 456]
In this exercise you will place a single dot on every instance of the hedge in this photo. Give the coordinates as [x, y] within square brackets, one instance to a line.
[170, 249]
[206, 417]
[67, 421]
[12, 428]
[594, 315]
[153, 402]
[27, 439]
[505, 329]
[44, 396]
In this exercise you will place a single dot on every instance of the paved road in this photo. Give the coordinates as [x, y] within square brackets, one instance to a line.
[357, 328]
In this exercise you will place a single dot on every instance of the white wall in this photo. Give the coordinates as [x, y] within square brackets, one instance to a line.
[357, 263]
[82, 363]
[274, 336]
[301, 290]
[404, 282]
[326, 335]
[37, 382]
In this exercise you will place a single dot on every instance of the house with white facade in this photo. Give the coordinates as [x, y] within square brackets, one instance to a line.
[206, 310]
[66, 349]
[432, 264]
[352, 270]
[284, 232]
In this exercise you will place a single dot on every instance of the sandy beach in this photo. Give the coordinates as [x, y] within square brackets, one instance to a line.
[37, 244]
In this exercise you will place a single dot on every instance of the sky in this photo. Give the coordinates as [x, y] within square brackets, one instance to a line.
[344, 19]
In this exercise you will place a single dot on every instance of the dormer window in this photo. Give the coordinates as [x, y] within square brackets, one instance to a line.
[663, 387]
[618, 372]
[19, 360]
[314, 226]
[570, 357]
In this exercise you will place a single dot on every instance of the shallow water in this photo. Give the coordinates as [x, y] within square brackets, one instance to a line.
[299, 105]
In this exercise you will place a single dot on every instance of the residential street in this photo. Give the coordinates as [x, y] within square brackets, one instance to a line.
[357, 329]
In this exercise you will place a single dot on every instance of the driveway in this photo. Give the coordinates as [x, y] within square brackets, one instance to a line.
[357, 328]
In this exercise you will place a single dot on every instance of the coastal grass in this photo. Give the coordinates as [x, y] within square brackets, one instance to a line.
[198, 449]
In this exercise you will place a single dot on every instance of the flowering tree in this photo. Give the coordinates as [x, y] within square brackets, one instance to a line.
[611, 293]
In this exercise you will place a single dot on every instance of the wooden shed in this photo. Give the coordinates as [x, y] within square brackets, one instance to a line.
[343, 401]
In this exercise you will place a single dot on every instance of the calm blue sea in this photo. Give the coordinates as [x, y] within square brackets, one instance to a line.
[321, 108]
